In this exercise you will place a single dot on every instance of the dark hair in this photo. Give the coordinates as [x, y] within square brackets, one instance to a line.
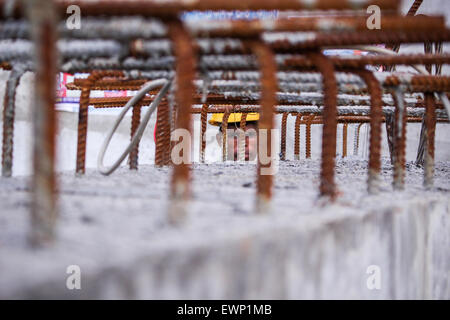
[238, 125]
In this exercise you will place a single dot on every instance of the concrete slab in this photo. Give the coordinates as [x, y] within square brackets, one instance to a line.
[115, 229]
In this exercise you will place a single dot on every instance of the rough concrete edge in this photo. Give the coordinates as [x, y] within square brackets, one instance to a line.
[122, 281]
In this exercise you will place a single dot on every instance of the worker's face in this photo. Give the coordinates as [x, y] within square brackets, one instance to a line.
[233, 142]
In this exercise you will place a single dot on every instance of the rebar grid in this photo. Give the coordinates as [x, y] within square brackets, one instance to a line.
[246, 56]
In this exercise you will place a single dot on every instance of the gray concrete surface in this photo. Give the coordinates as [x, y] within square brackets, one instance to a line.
[115, 229]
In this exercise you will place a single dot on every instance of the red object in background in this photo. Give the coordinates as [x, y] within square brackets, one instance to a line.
[154, 132]
[62, 80]
[109, 94]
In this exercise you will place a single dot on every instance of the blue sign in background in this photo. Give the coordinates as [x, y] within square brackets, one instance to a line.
[229, 15]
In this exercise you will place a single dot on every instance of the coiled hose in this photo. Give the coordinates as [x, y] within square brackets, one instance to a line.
[140, 130]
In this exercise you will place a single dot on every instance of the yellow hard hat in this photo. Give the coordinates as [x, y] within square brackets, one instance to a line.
[216, 119]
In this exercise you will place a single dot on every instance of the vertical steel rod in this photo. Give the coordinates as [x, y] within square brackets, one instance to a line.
[430, 129]
[308, 136]
[185, 68]
[203, 125]
[243, 137]
[135, 121]
[225, 118]
[325, 67]
[399, 140]
[298, 120]
[283, 135]
[376, 113]
[344, 140]
[44, 212]
[83, 115]
[162, 135]
[269, 87]
[9, 107]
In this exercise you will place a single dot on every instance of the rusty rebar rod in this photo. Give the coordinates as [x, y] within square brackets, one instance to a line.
[430, 129]
[428, 48]
[225, 118]
[390, 135]
[329, 24]
[353, 111]
[298, 119]
[327, 184]
[9, 106]
[376, 113]
[134, 153]
[309, 122]
[169, 121]
[151, 28]
[44, 212]
[362, 61]
[356, 139]
[169, 9]
[419, 83]
[203, 124]
[358, 38]
[162, 144]
[344, 140]
[269, 87]
[184, 96]
[283, 136]
[83, 115]
[243, 138]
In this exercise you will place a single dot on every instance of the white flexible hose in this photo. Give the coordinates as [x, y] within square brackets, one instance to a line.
[421, 69]
[140, 130]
